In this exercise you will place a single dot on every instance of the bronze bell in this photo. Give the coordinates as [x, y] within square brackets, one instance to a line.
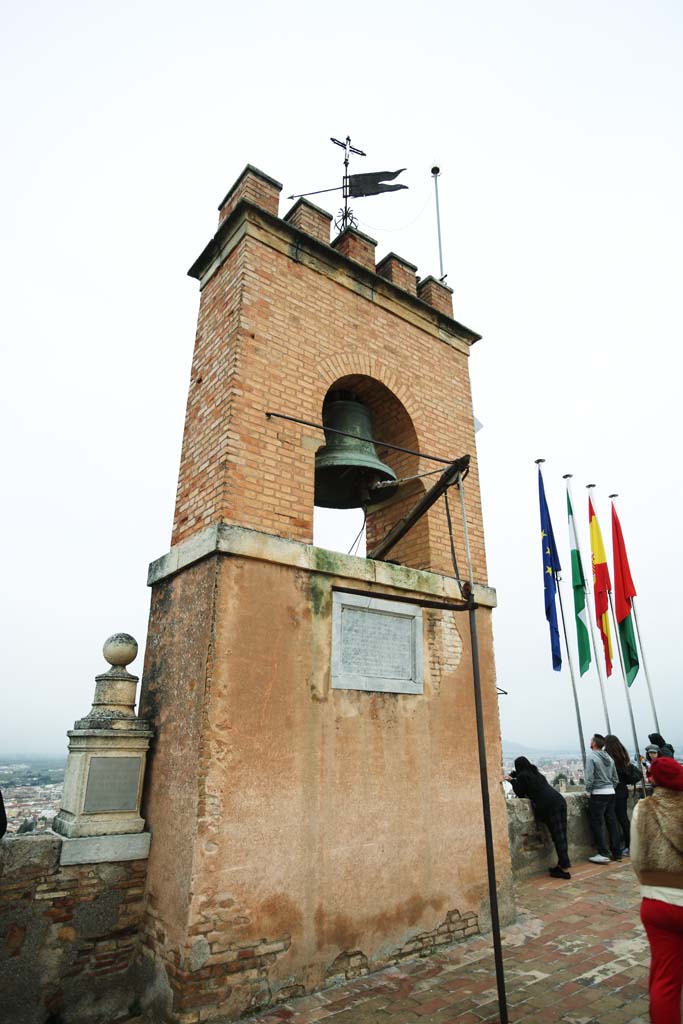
[347, 467]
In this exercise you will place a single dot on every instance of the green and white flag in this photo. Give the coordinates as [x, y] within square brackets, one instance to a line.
[579, 588]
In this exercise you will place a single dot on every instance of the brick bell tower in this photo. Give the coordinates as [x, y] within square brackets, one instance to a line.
[312, 790]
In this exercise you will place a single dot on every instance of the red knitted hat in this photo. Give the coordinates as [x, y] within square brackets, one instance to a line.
[666, 772]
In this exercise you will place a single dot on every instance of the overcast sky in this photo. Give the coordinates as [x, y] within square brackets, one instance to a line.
[557, 127]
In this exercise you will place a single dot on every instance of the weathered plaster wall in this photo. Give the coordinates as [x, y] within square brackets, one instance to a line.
[68, 935]
[335, 830]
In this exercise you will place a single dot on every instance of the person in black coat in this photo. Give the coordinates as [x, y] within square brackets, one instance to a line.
[629, 775]
[665, 749]
[549, 807]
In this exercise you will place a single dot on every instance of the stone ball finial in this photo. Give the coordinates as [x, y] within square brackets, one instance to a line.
[120, 649]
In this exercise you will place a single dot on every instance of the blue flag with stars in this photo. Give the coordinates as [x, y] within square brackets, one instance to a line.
[551, 566]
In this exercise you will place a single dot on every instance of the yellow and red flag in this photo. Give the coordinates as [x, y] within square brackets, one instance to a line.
[601, 585]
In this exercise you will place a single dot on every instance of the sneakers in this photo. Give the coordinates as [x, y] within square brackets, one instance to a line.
[558, 872]
[626, 852]
[599, 859]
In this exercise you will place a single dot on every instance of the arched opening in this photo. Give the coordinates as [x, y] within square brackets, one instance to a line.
[342, 529]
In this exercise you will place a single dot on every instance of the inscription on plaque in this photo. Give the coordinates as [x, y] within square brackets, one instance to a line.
[113, 784]
[376, 644]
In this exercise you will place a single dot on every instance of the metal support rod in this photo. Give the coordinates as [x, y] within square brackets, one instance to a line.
[398, 531]
[582, 742]
[357, 437]
[319, 191]
[484, 778]
[436, 171]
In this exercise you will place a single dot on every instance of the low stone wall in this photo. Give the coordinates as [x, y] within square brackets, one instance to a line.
[68, 934]
[531, 848]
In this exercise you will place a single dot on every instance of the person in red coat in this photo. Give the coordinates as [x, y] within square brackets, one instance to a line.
[657, 857]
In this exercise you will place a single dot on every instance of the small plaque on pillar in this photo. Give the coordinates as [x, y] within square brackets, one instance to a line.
[376, 645]
[113, 784]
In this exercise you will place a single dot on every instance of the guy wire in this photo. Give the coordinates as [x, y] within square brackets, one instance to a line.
[360, 532]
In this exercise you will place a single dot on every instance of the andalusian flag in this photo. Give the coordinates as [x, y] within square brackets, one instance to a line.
[624, 590]
[579, 588]
[551, 566]
[601, 586]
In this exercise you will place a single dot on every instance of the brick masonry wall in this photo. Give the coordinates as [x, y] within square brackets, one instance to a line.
[276, 334]
[68, 935]
[399, 271]
[357, 246]
[311, 219]
[255, 186]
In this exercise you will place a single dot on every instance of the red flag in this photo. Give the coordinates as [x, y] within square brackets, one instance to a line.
[624, 588]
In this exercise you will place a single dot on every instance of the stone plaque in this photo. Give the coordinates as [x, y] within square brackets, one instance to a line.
[113, 784]
[376, 644]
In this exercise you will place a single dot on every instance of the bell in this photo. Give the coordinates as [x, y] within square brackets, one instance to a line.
[346, 468]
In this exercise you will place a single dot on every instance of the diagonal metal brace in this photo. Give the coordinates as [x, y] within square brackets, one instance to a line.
[458, 468]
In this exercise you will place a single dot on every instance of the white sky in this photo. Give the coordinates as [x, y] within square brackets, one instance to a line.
[557, 127]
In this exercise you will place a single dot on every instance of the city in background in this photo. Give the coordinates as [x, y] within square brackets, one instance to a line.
[32, 786]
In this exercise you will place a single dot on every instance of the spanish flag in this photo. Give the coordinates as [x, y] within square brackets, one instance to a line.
[601, 585]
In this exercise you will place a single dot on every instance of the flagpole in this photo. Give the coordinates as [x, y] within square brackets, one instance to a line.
[628, 695]
[591, 616]
[582, 742]
[595, 647]
[640, 643]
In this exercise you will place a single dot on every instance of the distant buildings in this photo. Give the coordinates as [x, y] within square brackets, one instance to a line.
[32, 794]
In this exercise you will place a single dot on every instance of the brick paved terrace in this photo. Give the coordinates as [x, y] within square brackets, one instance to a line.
[577, 954]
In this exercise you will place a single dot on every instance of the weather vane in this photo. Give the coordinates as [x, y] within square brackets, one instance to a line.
[356, 186]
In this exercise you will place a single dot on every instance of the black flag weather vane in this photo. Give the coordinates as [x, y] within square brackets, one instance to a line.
[356, 186]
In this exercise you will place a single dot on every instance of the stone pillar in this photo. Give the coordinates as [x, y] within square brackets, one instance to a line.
[106, 764]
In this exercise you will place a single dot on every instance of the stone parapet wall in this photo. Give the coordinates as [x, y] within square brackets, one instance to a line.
[531, 848]
[68, 934]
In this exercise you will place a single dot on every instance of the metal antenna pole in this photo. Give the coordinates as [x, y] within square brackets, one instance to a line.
[591, 615]
[642, 649]
[436, 171]
[483, 771]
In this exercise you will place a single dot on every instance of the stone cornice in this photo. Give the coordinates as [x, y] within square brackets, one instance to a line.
[265, 547]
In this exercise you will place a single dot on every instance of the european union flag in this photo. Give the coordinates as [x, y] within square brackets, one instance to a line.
[551, 566]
